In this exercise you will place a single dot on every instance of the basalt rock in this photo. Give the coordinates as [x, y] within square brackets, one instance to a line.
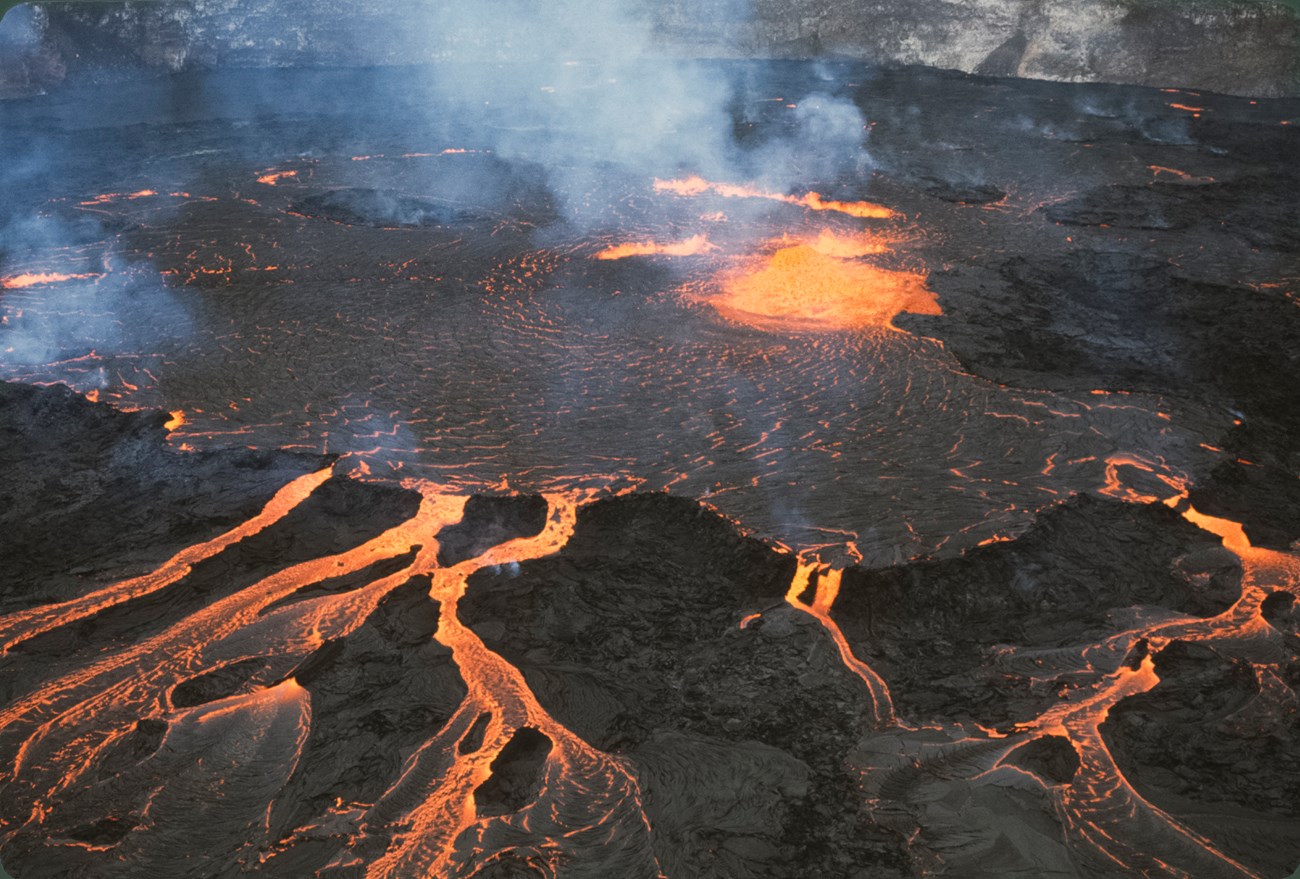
[87, 492]
[369, 207]
[1203, 746]
[631, 636]
[935, 630]
[489, 521]
[1229, 46]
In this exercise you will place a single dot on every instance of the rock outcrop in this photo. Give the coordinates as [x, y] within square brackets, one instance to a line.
[1235, 46]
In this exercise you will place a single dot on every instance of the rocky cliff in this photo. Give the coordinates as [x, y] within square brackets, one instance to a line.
[1235, 46]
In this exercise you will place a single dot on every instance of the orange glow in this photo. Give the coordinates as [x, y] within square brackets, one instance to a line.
[690, 247]
[695, 186]
[1233, 533]
[829, 581]
[33, 279]
[845, 246]
[26, 624]
[76, 716]
[274, 177]
[113, 196]
[800, 287]
[1188, 108]
[1181, 175]
[177, 419]
[66, 726]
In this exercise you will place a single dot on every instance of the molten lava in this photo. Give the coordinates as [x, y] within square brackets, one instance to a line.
[827, 590]
[272, 178]
[813, 201]
[35, 279]
[695, 246]
[109, 197]
[805, 287]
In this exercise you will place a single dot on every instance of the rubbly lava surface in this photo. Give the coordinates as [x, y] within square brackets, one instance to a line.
[910, 491]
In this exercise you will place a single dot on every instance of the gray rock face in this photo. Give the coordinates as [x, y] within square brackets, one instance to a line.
[1235, 46]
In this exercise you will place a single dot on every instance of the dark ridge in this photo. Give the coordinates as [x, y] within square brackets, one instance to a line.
[1264, 497]
[630, 637]
[319, 663]
[219, 684]
[929, 628]
[108, 831]
[72, 467]
[142, 742]
[516, 774]
[1282, 611]
[408, 617]
[1051, 758]
[473, 739]
[489, 521]
[1209, 747]
[347, 582]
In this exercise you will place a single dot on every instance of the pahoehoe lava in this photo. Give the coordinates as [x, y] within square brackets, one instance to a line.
[381, 497]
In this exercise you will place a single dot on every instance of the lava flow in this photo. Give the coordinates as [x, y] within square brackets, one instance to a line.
[1103, 811]
[35, 279]
[826, 581]
[694, 246]
[79, 719]
[397, 520]
[815, 287]
[1110, 825]
[813, 201]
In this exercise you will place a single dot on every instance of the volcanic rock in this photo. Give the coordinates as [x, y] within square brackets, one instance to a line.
[369, 207]
[936, 629]
[1053, 758]
[488, 521]
[1208, 747]
[1239, 47]
[631, 637]
[88, 493]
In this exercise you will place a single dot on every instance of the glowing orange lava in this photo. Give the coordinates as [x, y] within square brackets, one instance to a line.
[114, 196]
[68, 723]
[177, 419]
[813, 201]
[690, 247]
[801, 287]
[34, 279]
[828, 589]
[272, 178]
[1181, 175]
